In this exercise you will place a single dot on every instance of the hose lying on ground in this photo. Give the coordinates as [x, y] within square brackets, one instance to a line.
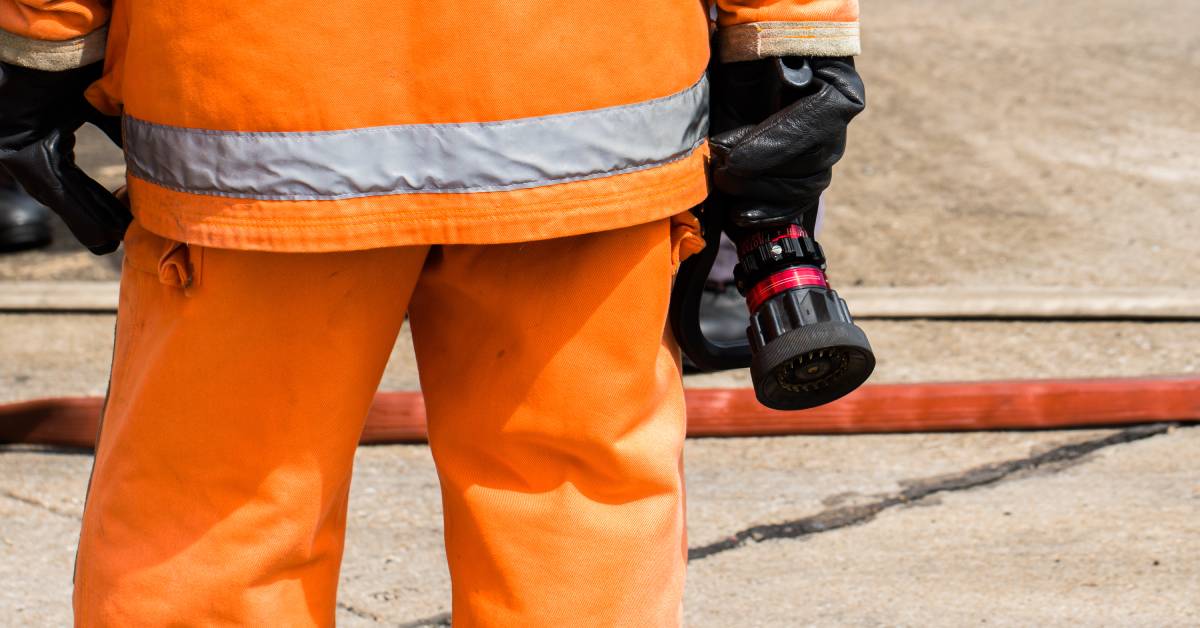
[399, 417]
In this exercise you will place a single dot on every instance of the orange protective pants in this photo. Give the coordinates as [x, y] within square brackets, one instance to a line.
[241, 381]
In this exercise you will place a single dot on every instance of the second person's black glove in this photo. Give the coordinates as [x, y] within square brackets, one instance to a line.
[39, 114]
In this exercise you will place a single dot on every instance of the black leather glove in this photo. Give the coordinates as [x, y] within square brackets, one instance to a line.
[778, 127]
[39, 114]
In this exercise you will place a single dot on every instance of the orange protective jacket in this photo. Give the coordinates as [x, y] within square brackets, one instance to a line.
[296, 125]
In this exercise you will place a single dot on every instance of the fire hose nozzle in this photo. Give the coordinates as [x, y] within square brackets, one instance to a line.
[802, 345]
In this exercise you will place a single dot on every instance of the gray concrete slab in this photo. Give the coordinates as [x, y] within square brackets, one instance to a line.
[1110, 541]
[394, 569]
[1105, 519]
[43, 355]
[41, 502]
[68, 354]
[771, 480]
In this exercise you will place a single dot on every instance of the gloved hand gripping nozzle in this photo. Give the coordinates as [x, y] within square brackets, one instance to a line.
[780, 125]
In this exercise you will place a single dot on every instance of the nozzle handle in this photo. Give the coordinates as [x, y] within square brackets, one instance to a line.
[684, 315]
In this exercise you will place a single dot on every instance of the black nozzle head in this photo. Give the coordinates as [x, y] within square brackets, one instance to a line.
[811, 365]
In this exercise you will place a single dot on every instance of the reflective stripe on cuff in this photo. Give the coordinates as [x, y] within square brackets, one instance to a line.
[420, 158]
[53, 56]
[759, 40]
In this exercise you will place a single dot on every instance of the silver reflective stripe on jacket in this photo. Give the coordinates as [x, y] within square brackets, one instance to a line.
[420, 158]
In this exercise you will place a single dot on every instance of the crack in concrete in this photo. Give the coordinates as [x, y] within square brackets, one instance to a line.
[37, 503]
[357, 612]
[433, 621]
[846, 516]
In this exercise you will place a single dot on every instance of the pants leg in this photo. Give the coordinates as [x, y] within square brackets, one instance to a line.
[240, 384]
[556, 419]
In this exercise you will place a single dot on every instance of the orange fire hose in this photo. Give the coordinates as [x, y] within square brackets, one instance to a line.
[398, 417]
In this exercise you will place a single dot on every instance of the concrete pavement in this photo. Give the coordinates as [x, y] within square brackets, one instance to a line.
[65, 354]
[1011, 528]
[1106, 539]
[1104, 535]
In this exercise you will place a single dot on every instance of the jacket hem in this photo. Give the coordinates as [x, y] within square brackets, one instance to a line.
[409, 220]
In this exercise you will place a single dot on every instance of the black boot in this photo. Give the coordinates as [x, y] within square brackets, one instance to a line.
[24, 222]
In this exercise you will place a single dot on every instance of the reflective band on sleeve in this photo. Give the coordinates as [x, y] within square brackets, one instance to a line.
[420, 158]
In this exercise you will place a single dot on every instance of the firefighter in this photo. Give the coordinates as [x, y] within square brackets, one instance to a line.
[515, 176]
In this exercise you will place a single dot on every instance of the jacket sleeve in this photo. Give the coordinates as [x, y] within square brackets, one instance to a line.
[53, 35]
[756, 29]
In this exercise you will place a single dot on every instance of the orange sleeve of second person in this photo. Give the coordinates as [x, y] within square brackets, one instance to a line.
[756, 29]
[52, 34]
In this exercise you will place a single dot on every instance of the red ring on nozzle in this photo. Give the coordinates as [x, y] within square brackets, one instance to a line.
[784, 280]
